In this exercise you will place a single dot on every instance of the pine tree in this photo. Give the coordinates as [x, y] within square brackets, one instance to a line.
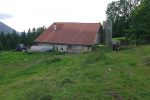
[30, 38]
[1, 46]
[23, 38]
[8, 42]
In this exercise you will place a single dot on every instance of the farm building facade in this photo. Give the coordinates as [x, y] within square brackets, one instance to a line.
[71, 37]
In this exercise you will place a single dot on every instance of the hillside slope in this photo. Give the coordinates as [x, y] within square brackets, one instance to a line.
[101, 75]
[5, 28]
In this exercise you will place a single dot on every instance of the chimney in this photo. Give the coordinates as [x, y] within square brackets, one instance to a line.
[55, 27]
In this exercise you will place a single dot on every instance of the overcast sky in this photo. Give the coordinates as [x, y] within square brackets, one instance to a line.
[24, 14]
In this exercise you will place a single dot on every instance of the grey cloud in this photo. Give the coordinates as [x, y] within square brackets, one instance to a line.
[5, 16]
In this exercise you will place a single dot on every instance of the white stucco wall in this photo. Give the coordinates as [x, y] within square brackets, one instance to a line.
[80, 48]
[45, 45]
[67, 48]
[61, 48]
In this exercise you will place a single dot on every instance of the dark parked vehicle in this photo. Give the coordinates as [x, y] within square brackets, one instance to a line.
[20, 47]
[116, 45]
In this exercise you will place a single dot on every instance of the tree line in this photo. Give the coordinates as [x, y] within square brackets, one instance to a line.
[10, 40]
[131, 19]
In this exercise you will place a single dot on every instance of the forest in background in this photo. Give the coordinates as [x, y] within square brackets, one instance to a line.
[10, 40]
[130, 19]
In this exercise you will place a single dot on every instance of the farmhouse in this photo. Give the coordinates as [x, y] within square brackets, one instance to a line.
[71, 37]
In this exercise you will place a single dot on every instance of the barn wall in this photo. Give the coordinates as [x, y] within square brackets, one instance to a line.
[78, 48]
[97, 41]
[61, 48]
[67, 48]
[99, 37]
[45, 44]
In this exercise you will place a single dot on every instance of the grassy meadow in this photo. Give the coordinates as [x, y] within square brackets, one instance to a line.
[100, 75]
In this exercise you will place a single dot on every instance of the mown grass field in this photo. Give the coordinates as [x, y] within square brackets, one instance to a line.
[100, 75]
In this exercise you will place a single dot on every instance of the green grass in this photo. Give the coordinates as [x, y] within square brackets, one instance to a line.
[99, 75]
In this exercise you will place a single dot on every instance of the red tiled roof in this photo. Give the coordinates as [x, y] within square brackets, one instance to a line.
[70, 33]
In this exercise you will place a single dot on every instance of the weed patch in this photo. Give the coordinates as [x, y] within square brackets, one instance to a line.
[116, 95]
[38, 93]
[46, 97]
[53, 60]
[146, 61]
[66, 81]
[93, 58]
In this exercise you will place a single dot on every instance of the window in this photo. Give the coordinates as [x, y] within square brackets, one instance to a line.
[61, 48]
